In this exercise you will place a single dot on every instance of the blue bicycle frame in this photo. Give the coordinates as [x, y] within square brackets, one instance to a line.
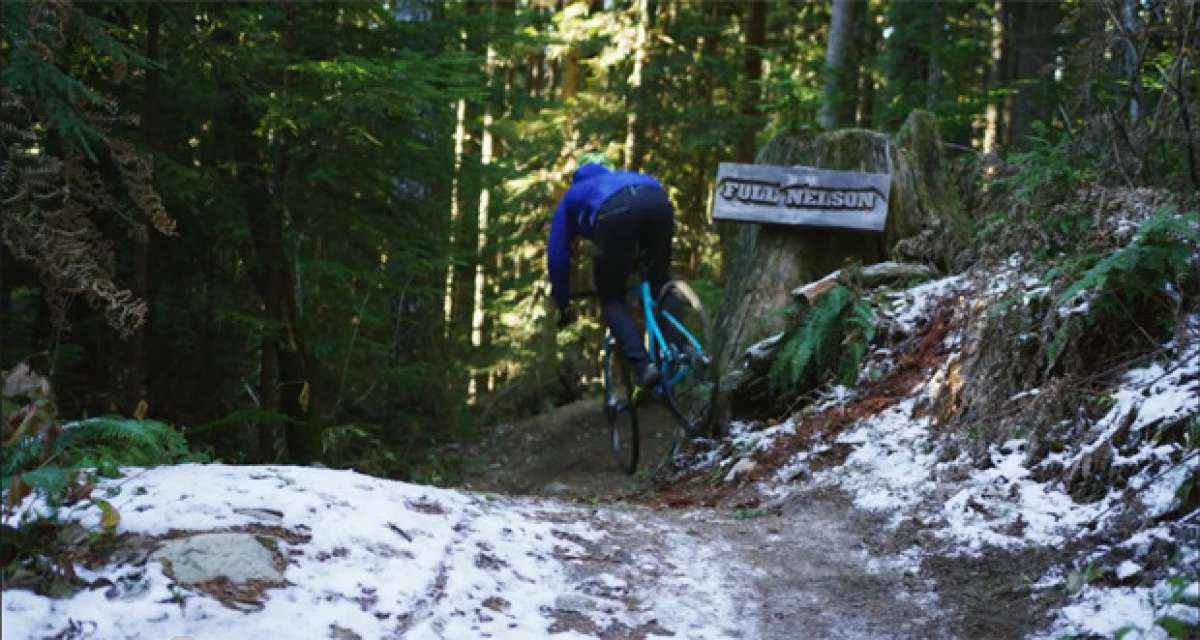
[655, 337]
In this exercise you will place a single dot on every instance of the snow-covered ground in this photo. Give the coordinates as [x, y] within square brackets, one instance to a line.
[896, 467]
[368, 558]
[372, 558]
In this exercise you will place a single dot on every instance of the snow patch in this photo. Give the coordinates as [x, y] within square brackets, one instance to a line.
[383, 559]
[891, 464]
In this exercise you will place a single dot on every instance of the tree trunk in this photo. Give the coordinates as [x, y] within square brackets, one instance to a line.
[568, 79]
[464, 229]
[298, 388]
[840, 68]
[1132, 58]
[1032, 27]
[995, 103]
[907, 62]
[133, 379]
[453, 280]
[867, 87]
[570, 74]
[937, 47]
[480, 324]
[6, 288]
[755, 28]
[756, 36]
[252, 193]
[284, 379]
[635, 119]
[771, 260]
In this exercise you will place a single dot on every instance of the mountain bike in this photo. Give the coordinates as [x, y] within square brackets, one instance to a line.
[688, 382]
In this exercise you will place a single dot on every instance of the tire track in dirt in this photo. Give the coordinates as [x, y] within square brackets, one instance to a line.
[802, 568]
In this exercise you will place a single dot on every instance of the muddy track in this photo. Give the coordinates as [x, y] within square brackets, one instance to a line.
[806, 566]
[566, 454]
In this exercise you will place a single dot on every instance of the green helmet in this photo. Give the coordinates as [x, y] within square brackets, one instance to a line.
[594, 157]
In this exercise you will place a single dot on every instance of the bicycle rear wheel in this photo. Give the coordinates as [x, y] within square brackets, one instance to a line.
[620, 409]
[692, 377]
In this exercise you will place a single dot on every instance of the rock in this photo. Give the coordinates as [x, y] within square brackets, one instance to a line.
[238, 557]
[742, 467]
[555, 488]
[1127, 570]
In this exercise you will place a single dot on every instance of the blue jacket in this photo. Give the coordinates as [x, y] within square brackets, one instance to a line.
[591, 186]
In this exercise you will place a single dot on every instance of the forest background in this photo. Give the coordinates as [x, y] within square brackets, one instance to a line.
[315, 231]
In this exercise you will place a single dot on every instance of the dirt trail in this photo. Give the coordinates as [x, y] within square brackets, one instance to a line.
[566, 454]
[811, 567]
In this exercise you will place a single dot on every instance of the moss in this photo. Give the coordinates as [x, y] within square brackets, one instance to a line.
[852, 150]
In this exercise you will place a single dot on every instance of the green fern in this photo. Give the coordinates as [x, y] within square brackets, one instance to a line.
[23, 454]
[832, 339]
[51, 482]
[99, 444]
[109, 442]
[859, 334]
[1159, 255]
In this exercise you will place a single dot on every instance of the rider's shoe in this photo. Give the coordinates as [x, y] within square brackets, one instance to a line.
[648, 376]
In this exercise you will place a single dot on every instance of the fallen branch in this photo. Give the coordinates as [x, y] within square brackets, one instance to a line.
[869, 277]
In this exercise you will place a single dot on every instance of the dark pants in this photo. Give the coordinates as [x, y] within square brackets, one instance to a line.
[637, 219]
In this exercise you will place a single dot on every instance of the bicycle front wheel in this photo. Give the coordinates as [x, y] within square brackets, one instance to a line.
[692, 378]
[620, 409]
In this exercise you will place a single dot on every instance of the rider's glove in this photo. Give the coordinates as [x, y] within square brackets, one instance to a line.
[565, 317]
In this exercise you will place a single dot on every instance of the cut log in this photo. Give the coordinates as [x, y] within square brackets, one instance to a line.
[770, 260]
[869, 277]
[811, 292]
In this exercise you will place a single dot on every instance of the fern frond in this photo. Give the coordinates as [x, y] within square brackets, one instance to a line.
[1160, 253]
[831, 339]
[21, 455]
[50, 481]
[124, 440]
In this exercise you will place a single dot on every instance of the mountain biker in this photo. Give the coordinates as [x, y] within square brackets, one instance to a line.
[622, 212]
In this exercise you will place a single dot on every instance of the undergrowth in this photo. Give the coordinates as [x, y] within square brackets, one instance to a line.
[830, 341]
[1142, 279]
[1036, 209]
[59, 465]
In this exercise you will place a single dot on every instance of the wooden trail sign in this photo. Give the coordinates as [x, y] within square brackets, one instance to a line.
[802, 196]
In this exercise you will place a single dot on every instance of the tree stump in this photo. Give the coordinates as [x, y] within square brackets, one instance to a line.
[768, 261]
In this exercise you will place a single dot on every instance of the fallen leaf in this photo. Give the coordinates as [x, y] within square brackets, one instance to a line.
[109, 516]
[17, 492]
